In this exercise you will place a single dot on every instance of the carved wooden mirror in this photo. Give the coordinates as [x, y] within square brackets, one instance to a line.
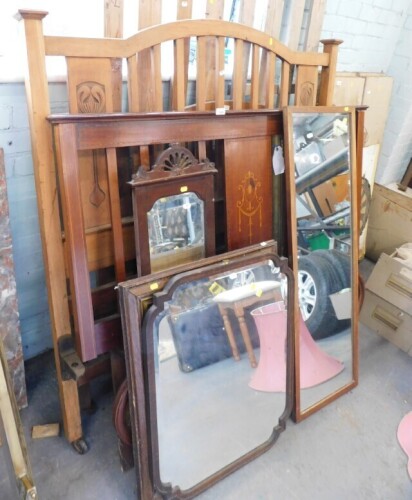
[216, 359]
[173, 205]
[323, 236]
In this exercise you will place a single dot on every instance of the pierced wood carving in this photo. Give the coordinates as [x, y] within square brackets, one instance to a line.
[91, 97]
[172, 162]
[250, 202]
[97, 196]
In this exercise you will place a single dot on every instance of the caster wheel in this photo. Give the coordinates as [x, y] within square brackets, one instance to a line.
[80, 446]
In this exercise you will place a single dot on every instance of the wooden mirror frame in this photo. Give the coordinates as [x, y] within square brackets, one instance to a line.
[136, 296]
[175, 172]
[298, 414]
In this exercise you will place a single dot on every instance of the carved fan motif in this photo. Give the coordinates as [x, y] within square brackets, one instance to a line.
[173, 161]
[306, 93]
[91, 97]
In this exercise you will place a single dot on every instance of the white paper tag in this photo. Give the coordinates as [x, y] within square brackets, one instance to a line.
[278, 162]
[220, 111]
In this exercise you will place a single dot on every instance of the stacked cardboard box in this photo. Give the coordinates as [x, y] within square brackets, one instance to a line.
[387, 307]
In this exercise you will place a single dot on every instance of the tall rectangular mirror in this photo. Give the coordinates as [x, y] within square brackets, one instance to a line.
[323, 243]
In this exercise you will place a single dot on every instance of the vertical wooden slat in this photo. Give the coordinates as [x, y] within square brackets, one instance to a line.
[315, 23]
[270, 81]
[238, 75]
[327, 80]
[254, 97]
[306, 85]
[274, 15]
[113, 18]
[202, 150]
[179, 75]
[155, 52]
[132, 85]
[115, 213]
[76, 241]
[284, 85]
[48, 207]
[148, 61]
[201, 75]
[295, 23]
[246, 16]
[219, 73]
[113, 28]
[273, 23]
[214, 10]
[145, 157]
[184, 11]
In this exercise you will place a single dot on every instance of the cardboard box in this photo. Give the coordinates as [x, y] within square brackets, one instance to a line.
[388, 321]
[390, 221]
[392, 280]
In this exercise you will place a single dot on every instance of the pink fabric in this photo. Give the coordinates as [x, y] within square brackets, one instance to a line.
[270, 374]
[405, 438]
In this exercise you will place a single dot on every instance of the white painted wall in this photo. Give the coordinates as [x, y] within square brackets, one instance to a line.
[377, 37]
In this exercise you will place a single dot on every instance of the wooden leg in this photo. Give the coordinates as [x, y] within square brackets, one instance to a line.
[246, 338]
[229, 332]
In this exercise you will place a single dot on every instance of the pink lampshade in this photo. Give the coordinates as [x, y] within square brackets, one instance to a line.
[270, 375]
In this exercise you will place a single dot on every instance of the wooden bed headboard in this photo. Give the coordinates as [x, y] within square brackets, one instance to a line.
[266, 75]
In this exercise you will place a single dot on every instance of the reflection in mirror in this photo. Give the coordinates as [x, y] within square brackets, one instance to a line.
[323, 162]
[218, 348]
[176, 230]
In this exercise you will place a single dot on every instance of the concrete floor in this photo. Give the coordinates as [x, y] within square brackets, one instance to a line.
[348, 450]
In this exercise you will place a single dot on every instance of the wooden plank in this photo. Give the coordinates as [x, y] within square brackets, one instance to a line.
[246, 17]
[219, 74]
[116, 217]
[179, 75]
[295, 23]
[270, 81]
[201, 74]
[148, 61]
[314, 27]
[75, 237]
[328, 74]
[306, 86]
[184, 11]
[89, 47]
[113, 18]
[237, 80]
[254, 91]
[45, 431]
[284, 85]
[273, 23]
[214, 10]
[49, 220]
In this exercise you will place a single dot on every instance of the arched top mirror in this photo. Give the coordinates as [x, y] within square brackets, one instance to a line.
[323, 241]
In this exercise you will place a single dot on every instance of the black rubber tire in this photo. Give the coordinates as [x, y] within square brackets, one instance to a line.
[340, 262]
[322, 321]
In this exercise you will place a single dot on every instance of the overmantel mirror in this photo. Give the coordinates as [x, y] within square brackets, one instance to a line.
[173, 206]
[215, 352]
[323, 236]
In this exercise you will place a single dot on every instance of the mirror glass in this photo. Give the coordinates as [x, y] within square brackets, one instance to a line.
[321, 148]
[176, 230]
[218, 346]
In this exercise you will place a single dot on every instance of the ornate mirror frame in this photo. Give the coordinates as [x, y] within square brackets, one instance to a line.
[136, 296]
[288, 114]
[176, 173]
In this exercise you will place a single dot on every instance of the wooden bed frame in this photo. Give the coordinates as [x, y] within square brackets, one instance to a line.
[275, 77]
